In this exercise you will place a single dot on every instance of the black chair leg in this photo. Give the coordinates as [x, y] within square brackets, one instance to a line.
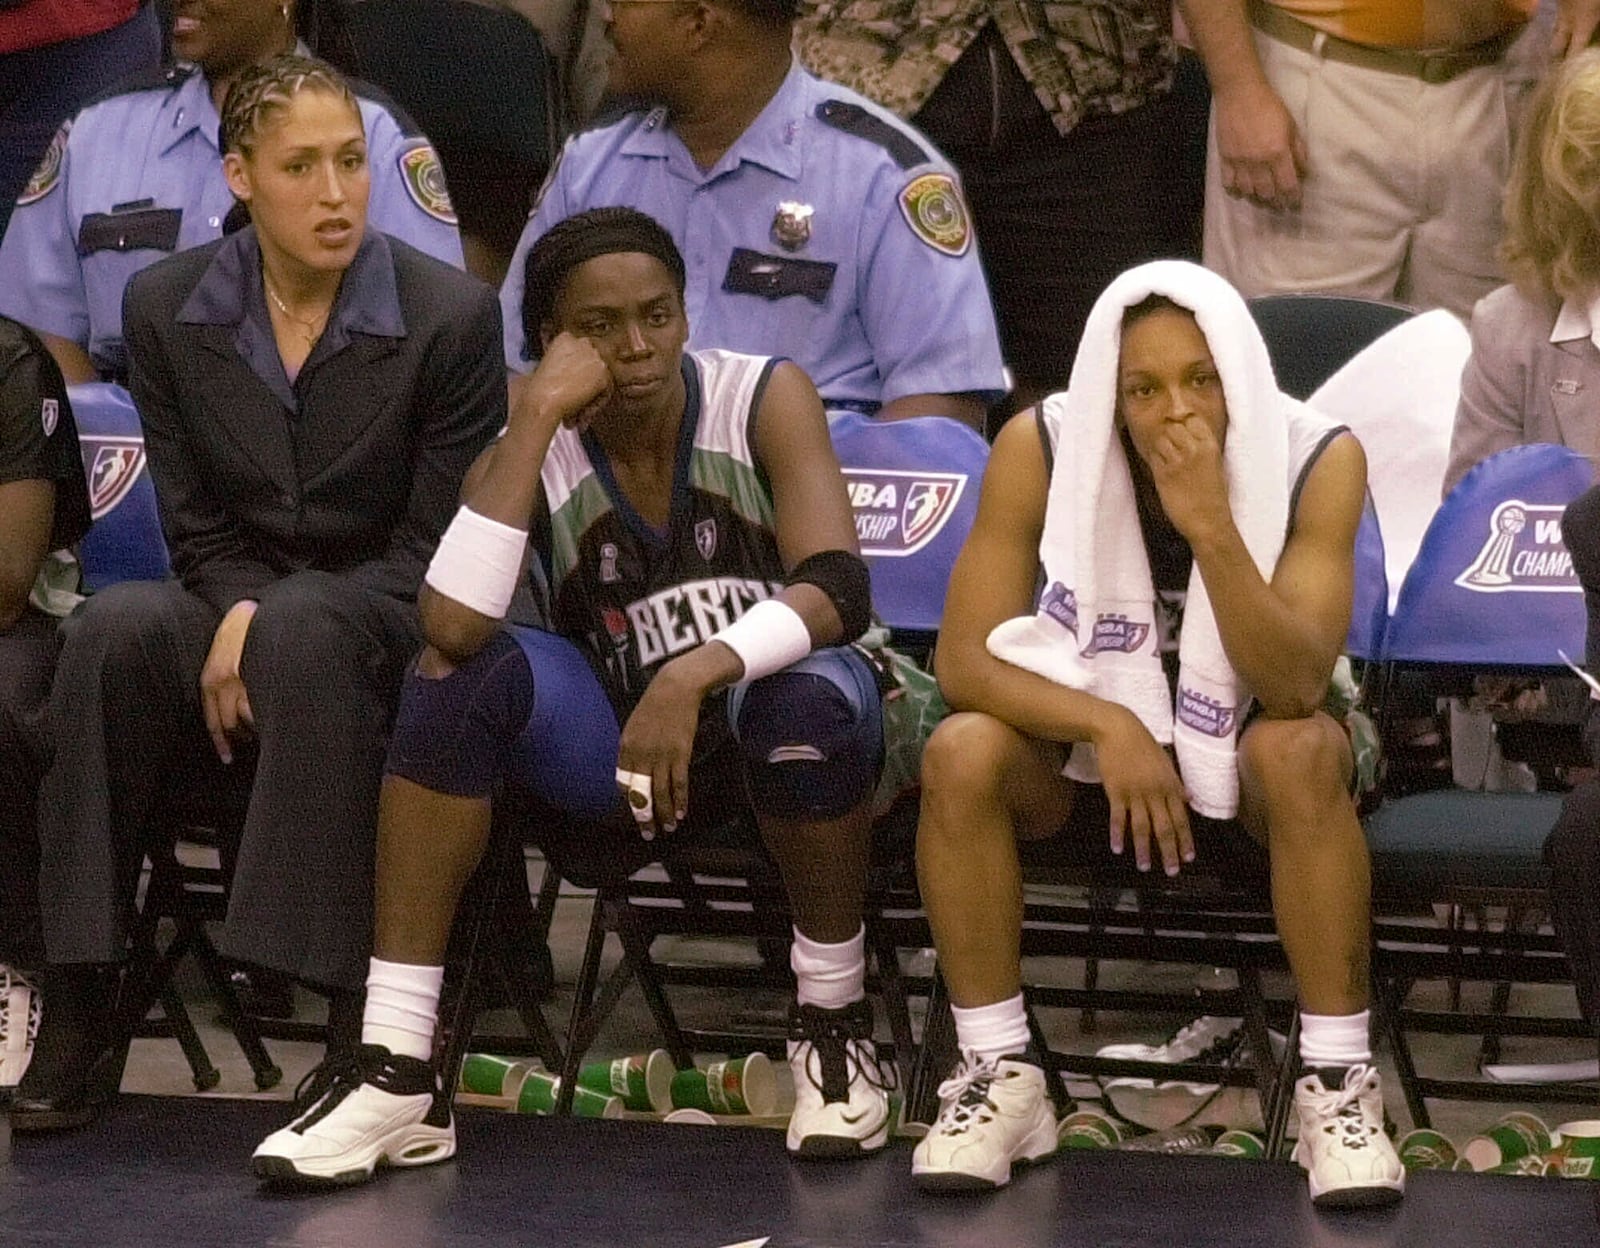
[936, 1056]
[579, 1027]
[266, 1072]
[1055, 1080]
[892, 988]
[1391, 1000]
[1277, 1122]
[206, 1076]
[636, 948]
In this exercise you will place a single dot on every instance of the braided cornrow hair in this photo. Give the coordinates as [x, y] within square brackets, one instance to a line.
[268, 88]
[580, 238]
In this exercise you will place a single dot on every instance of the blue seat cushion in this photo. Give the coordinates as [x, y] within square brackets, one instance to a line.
[1455, 838]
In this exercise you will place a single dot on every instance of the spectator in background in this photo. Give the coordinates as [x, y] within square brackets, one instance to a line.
[54, 55]
[138, 175]
[1067, 138]
[44, 510]
[1360, 148]
[312, 393]
[574, 32]
[1534, 372]
[815, 225]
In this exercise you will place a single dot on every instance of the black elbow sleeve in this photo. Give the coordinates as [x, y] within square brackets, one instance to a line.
[844, 578]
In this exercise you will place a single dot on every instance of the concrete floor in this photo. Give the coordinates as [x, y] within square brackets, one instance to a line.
[157, 1065]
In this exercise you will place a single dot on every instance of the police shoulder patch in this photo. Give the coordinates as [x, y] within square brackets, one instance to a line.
[423, 175]
[933, 208]
[48, 174]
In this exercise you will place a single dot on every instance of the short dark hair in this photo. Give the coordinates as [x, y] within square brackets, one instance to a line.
[582, 237]
[1150, 304]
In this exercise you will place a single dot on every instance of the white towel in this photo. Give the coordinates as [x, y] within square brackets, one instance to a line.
[1095, 626]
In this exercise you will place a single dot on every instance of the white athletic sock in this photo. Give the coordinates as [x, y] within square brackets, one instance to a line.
[993, 1031]
[1335, 1039]
[830, 976]
[402, 1007]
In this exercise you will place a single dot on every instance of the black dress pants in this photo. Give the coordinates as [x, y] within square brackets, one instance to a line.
[27, 658]
[1572, 852]
[1059, 216]
[322, 666]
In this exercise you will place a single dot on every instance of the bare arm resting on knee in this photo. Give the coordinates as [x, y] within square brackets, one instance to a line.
[993, 581]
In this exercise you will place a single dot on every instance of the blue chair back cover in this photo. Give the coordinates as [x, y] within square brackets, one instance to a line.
[914, 490]
[1493, 583]
[1369, 614]
[125, 542]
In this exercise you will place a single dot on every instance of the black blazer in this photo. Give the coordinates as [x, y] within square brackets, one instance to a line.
[360, 480]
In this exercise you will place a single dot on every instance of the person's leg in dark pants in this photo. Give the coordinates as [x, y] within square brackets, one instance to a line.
[323, 664]
[41, 87]
[1572, 852]
[124, 713]
[27, 659]
[1057, 216]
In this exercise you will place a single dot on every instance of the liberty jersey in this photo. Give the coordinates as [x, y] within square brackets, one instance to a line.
[633, 596]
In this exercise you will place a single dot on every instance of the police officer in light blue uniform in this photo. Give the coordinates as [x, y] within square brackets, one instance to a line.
[827, 231]
[137, 176]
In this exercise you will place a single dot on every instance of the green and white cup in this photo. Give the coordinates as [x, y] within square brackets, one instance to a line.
[1511, 1139]
[642, 1081]
[1239, 1144]
[1088, 1129]
[1576, 1151]
[541, 1090]
[1427, 1149]
[1530, 1166]
[488, 1075]
[740, 1085]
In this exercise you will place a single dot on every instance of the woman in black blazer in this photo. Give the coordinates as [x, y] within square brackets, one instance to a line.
[312, 393]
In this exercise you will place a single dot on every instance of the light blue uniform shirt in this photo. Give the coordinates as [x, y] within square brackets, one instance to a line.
[137, 175]
[902, 310]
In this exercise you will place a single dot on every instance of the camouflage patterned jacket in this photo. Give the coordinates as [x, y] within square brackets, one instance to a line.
[1083, 59]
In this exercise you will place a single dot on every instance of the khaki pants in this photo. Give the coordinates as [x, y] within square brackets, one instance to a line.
[1401, 199]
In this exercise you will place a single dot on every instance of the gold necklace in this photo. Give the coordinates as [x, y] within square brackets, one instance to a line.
[310, 328]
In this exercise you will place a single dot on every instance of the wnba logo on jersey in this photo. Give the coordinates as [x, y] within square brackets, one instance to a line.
[1523, 553]
[898, 513]
[113, 466]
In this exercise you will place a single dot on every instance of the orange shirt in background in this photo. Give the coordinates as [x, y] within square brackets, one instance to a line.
[1430, 24]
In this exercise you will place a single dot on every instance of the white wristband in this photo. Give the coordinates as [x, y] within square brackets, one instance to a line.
[769, 637]
[478, 563]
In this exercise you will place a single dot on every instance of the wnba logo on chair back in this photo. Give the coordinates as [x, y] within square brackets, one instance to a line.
[899, 512]
[1522, 553]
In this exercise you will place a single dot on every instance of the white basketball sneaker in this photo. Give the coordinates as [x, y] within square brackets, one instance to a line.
[1342, 1145]
[992, 1115]
[360, 1110]
[841, 1097]
[19, 1024]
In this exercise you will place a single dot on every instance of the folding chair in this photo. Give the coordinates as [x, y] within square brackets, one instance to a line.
[1491, 592]
[125, 544]
[1310, 337]
[914, 487]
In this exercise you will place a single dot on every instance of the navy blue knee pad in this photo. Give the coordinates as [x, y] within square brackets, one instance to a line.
[453, 733]
[811, 736]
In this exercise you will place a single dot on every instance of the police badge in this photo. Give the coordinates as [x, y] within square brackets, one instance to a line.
[48, 174]
[423, 176]
[791, 225]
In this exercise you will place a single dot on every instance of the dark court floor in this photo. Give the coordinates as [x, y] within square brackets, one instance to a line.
[172, 1172]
